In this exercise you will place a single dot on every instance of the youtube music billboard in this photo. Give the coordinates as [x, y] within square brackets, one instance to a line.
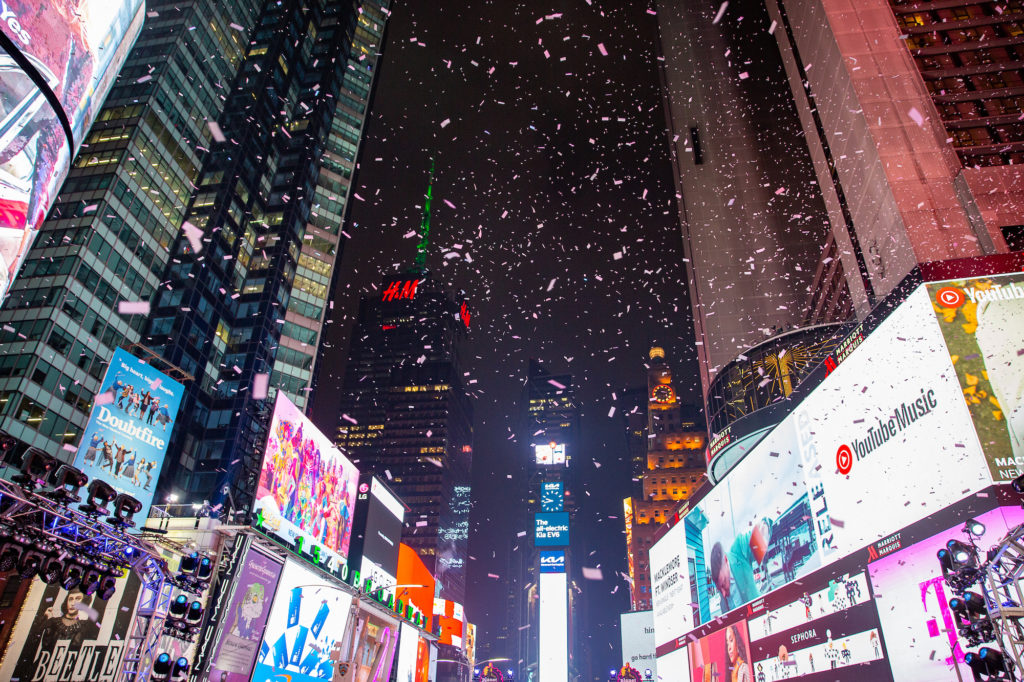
[925, 413]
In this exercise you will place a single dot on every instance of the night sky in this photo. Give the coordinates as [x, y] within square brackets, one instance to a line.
[554, 209]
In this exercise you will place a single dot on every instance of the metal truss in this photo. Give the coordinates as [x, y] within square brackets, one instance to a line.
[1004, 582]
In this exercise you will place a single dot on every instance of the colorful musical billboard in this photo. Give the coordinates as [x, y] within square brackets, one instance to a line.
[65, 631]
[307, 488]
[129, 428]
[306, 622]
[722, 655]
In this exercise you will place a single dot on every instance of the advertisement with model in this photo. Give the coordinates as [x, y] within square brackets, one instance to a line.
[62, 636]
[76, 47]
[307, 621]
[246, 616]
[132, 419]
[307, 488]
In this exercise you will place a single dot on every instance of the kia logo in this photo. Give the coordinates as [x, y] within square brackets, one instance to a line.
[844, 459]
[949, 297]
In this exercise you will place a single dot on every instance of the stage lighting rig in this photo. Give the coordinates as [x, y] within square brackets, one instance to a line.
[100, 494]
[125, 508]
[35, 469]
[68, 482]
[989, 664]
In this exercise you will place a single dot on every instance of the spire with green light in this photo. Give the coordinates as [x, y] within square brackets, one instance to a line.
[424, 243]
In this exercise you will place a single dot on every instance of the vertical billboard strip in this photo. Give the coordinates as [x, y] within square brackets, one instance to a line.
[132, 419]
[307, 488]
[307, 622]
[62, 636]
[637, 633]
[982, 323]
[245, 618]
[554, 628]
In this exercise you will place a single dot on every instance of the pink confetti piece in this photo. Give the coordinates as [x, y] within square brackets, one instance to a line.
[155, 384]
[260, 382]
[916, 116]
[133, 307]
[194, 236]
[721, 12]
[104, 398]
[349, 419]
[215, 130]
[602, 50]
[556, 384]
[592, 573]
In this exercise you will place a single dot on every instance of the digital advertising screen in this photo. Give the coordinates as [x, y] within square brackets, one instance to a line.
[130, 425]
[671, 598]
[307, 488]
[552, 495]
[239, 640]
[56, 628]
[449, 621]
[408, 646]
[722, 655]
[637, 633]
[552, 561]
[982, 322]
[554, 627]
[551, 530]
[307, 619]
[412, 571]
[913, 602]
[550, 453]
[876, 446]
[377, 532]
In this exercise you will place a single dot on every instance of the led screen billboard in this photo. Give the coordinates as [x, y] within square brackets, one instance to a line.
[77, 48]
[238, 641]
[449, 621]
[408, 646]
[672, 612]
[57, 630]
[550, 453]
[722, 655]
[551, 530]
[894, 438]
[552, 561]
[637, 633]
[982, 322]
[377, 532]
[130, 425]
[307, 619]
[554, 627]
[307, 488]
[913, 602]
[552, 494]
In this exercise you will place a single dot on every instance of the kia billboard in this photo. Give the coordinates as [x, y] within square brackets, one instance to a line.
[876, 446]
[307, 488]
[552, 494]
[552, 561]
[77, 48]
[129, 428]
[551, 530]
[982, 322]
[306, 623]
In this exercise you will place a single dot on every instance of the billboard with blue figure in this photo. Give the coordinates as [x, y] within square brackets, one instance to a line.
[129, 428]
[305, 628]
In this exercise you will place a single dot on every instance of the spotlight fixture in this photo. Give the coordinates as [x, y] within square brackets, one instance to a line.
[107, 588]
[974, 603]
[180, 669]
[179, 607]
[963, 554]
[125, 507]
[945, 558]
[9, 555]
[100, 494]
[36, 466]
[68, 481]
[1018, 484]
[161, 667]
[195, 613]
[29, 564]
[52, 570]
[72, 577]
[205, 569]
[91, 581]
[189, 564]
[974, 528]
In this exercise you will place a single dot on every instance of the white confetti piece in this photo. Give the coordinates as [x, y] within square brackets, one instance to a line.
[592, 573]
[194, 236]
[133, 307]
[721, 11]
[260, 382]
[916, 116]
[215, 130]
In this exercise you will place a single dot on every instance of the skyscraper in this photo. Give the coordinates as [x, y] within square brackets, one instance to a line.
[241, 303]
[405, 414]
[108, 236]
[675, 470]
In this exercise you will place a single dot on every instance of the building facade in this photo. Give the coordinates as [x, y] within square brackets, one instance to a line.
[675, 469]
[405, 414]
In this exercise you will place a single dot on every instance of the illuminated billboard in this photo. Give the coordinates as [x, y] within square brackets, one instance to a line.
[637, 633]
[552, 561]
[307, 488]
[672, 612]
[377, 532]
[982, 322]
[449, 622]
[130, 425]
[913, 602]
[550, 453]
[895, 436]
[56, 629]
[408, 647]
[307, 621]
[552, 495]
[554, 627]
[551, 530]
[722, 655]
[76, 49]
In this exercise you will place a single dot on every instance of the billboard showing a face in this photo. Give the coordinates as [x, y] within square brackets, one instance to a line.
[306, 621]
[55, 627]
[307, 488]
[722, 655]
[982, 322]
[894, 438]
[239, 640]
[554, 627]
[129, 428]
[550, 453]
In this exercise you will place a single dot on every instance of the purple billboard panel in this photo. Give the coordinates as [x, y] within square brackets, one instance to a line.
[235, 653]
[913, 603]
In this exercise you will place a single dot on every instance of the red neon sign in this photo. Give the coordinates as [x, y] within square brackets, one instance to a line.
[464, 314]
[399, 289]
